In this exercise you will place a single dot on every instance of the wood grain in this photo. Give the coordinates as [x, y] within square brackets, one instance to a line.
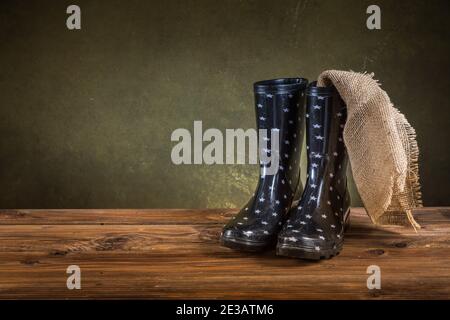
[175, 254]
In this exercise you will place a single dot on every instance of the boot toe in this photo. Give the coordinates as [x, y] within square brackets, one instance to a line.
[246, 240]
[306, 246]
[303, 241]
[246, 235]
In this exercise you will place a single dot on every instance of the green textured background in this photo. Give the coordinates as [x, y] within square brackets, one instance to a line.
[86, 116]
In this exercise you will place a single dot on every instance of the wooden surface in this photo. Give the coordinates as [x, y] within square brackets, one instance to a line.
[175, 254]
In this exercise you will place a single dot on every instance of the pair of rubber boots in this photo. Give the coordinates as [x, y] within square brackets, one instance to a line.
[304, 223]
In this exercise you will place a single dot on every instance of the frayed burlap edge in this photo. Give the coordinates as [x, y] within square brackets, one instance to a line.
[413, 198]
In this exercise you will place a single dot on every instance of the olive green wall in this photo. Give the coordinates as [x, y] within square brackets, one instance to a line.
[86, 116]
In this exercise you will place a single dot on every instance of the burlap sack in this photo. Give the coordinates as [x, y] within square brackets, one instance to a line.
[382, 149]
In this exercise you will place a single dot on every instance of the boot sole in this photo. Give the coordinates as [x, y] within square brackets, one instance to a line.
[246, 246]
[309, 253]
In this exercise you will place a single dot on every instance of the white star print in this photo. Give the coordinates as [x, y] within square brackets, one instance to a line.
[320, 98]
[339, 236]
[335, 154]
[313, 186]
[318, 156]
[269, 95]
[324, 216]
[322, 237]
[329, 203]
[275, 214]
[240, 223]
[331, 175]
[286, 155]
[319, 230]
[308, 216]
[333, 226]
[307, 115]
[245, 218]
[277, 202]
[282, 181]
[286, 141]
[264, 222]
[314, 165]
[261, 199]
[296, 231]
[281, 168]
[293, 239]
[302, 222]
[317, 126]
[285, 109]
[265, 150]
[289, 226]
[266, 139]
[339, 114]
[285, 196]
[300, 208]
[248, 233]
[319, 138]
[257, 211]
[246, 209]
[260, 105]
[262, 118]
[266, 232]
[317, 248]
[313, 198]
[317, 107]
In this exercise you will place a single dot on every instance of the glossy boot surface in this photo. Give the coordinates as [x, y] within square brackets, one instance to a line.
[315, 228]
[279, 106]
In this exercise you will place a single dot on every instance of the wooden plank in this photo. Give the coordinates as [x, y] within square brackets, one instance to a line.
[142, 256]
[159, 216]
[114, 216]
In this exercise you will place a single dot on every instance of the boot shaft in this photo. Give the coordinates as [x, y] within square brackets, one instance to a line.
[279, 105]
[326, 114]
